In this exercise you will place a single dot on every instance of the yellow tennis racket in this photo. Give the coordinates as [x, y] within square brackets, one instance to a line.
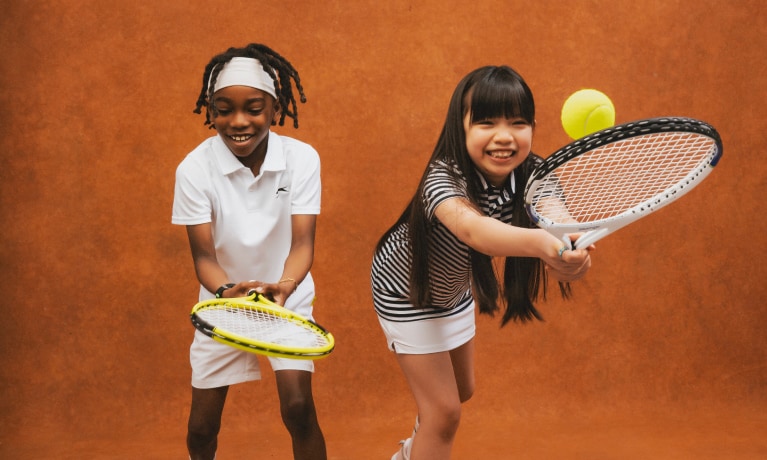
[258, 325]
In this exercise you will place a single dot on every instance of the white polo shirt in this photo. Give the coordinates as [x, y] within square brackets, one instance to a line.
[250, 216]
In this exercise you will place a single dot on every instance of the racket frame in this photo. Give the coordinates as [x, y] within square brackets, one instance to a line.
[260, 303]
[596, 230]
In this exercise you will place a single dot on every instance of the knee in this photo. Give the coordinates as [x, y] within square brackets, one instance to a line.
[297, 413]
[446, 422]
[202, 431]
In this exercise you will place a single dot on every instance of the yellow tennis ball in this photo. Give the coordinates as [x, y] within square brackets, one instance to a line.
[587, 111]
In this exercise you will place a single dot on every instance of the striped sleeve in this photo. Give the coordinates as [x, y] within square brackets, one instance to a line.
[441, 185]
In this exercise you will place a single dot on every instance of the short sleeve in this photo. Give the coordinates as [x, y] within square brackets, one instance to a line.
[306, 184]
[191, 200]
[441, 185]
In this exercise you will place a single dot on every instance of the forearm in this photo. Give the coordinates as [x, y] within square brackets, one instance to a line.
[495, 238]
[297, 264]
[499, 239]
[210, 274]
[301, 255]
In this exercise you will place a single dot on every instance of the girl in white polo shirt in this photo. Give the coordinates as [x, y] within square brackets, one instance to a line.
[435, 263]
[249, 199]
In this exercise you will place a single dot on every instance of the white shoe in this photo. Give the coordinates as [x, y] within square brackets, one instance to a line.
[404, 451]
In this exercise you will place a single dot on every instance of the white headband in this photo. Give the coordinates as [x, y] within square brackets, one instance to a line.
[244, 71]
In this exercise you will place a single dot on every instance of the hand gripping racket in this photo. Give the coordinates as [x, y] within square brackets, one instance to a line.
[257, 325]
[609, 179]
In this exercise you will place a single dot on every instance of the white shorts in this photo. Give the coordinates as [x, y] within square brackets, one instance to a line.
[430, 335]
[215, 364]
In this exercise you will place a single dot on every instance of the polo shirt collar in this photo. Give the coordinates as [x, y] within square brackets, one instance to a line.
[486, 186]
[274, 161]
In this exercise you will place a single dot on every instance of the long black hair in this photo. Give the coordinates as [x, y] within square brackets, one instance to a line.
[281, 71]
[488, 92]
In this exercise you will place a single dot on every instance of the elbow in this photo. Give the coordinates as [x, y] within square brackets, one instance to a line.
[479, 244]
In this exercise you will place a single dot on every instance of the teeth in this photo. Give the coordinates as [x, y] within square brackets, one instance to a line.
[501, 154]
[240, 138]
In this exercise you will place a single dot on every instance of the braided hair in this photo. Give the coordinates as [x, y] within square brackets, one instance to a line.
[274, 65]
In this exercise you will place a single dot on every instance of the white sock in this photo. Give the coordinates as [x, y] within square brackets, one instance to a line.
[406, 446]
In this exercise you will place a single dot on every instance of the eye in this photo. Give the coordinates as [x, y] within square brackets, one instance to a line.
[520, 122]
[218, 110]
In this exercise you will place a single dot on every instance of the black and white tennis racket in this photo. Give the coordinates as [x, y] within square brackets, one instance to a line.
[257, 325]
[611, 178]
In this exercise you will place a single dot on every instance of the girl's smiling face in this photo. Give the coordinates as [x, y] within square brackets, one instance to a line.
[498, 145]
[242, 116]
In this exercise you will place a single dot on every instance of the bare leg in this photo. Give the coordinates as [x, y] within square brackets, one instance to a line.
[440, 383]
[205, 422]
[463, 368]
[299, 414]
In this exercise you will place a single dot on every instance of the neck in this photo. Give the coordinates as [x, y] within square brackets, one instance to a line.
[255, 160]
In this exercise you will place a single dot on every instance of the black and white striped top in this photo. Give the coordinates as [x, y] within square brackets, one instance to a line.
[450, 271]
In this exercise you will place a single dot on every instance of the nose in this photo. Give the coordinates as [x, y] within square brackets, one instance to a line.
[504, 136]
[239, 119]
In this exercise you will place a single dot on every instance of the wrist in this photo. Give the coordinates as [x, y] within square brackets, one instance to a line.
[552, 246]
[222, 288]
[291, 281]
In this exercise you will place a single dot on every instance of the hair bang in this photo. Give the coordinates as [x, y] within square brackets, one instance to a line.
[498, 96]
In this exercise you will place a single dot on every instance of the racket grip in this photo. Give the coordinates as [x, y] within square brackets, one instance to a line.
[590, 238]
[568, 242]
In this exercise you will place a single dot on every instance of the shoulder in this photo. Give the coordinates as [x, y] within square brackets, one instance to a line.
[441, 174]
[198, 165]
[298, 155]
[442, 182]
[301, 159]
[293, 147]
[198, 160]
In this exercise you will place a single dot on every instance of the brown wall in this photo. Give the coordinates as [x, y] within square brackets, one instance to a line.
[97, 101]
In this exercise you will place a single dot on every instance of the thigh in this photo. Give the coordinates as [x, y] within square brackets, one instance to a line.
[207, 406]
[431, 378]
[292, 384]
[463, 368]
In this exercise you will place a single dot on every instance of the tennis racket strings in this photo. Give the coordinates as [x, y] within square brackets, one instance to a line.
[614, 178]
[253, 324]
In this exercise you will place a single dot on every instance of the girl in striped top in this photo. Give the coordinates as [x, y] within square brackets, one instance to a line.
[435, 263]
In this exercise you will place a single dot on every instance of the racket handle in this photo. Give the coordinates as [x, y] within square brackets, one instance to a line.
[587, 239]
[568, 242]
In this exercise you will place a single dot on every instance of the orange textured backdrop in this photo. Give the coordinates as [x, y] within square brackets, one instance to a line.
[661, 354]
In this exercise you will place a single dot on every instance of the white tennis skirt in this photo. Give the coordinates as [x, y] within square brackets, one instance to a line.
[432, 335]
